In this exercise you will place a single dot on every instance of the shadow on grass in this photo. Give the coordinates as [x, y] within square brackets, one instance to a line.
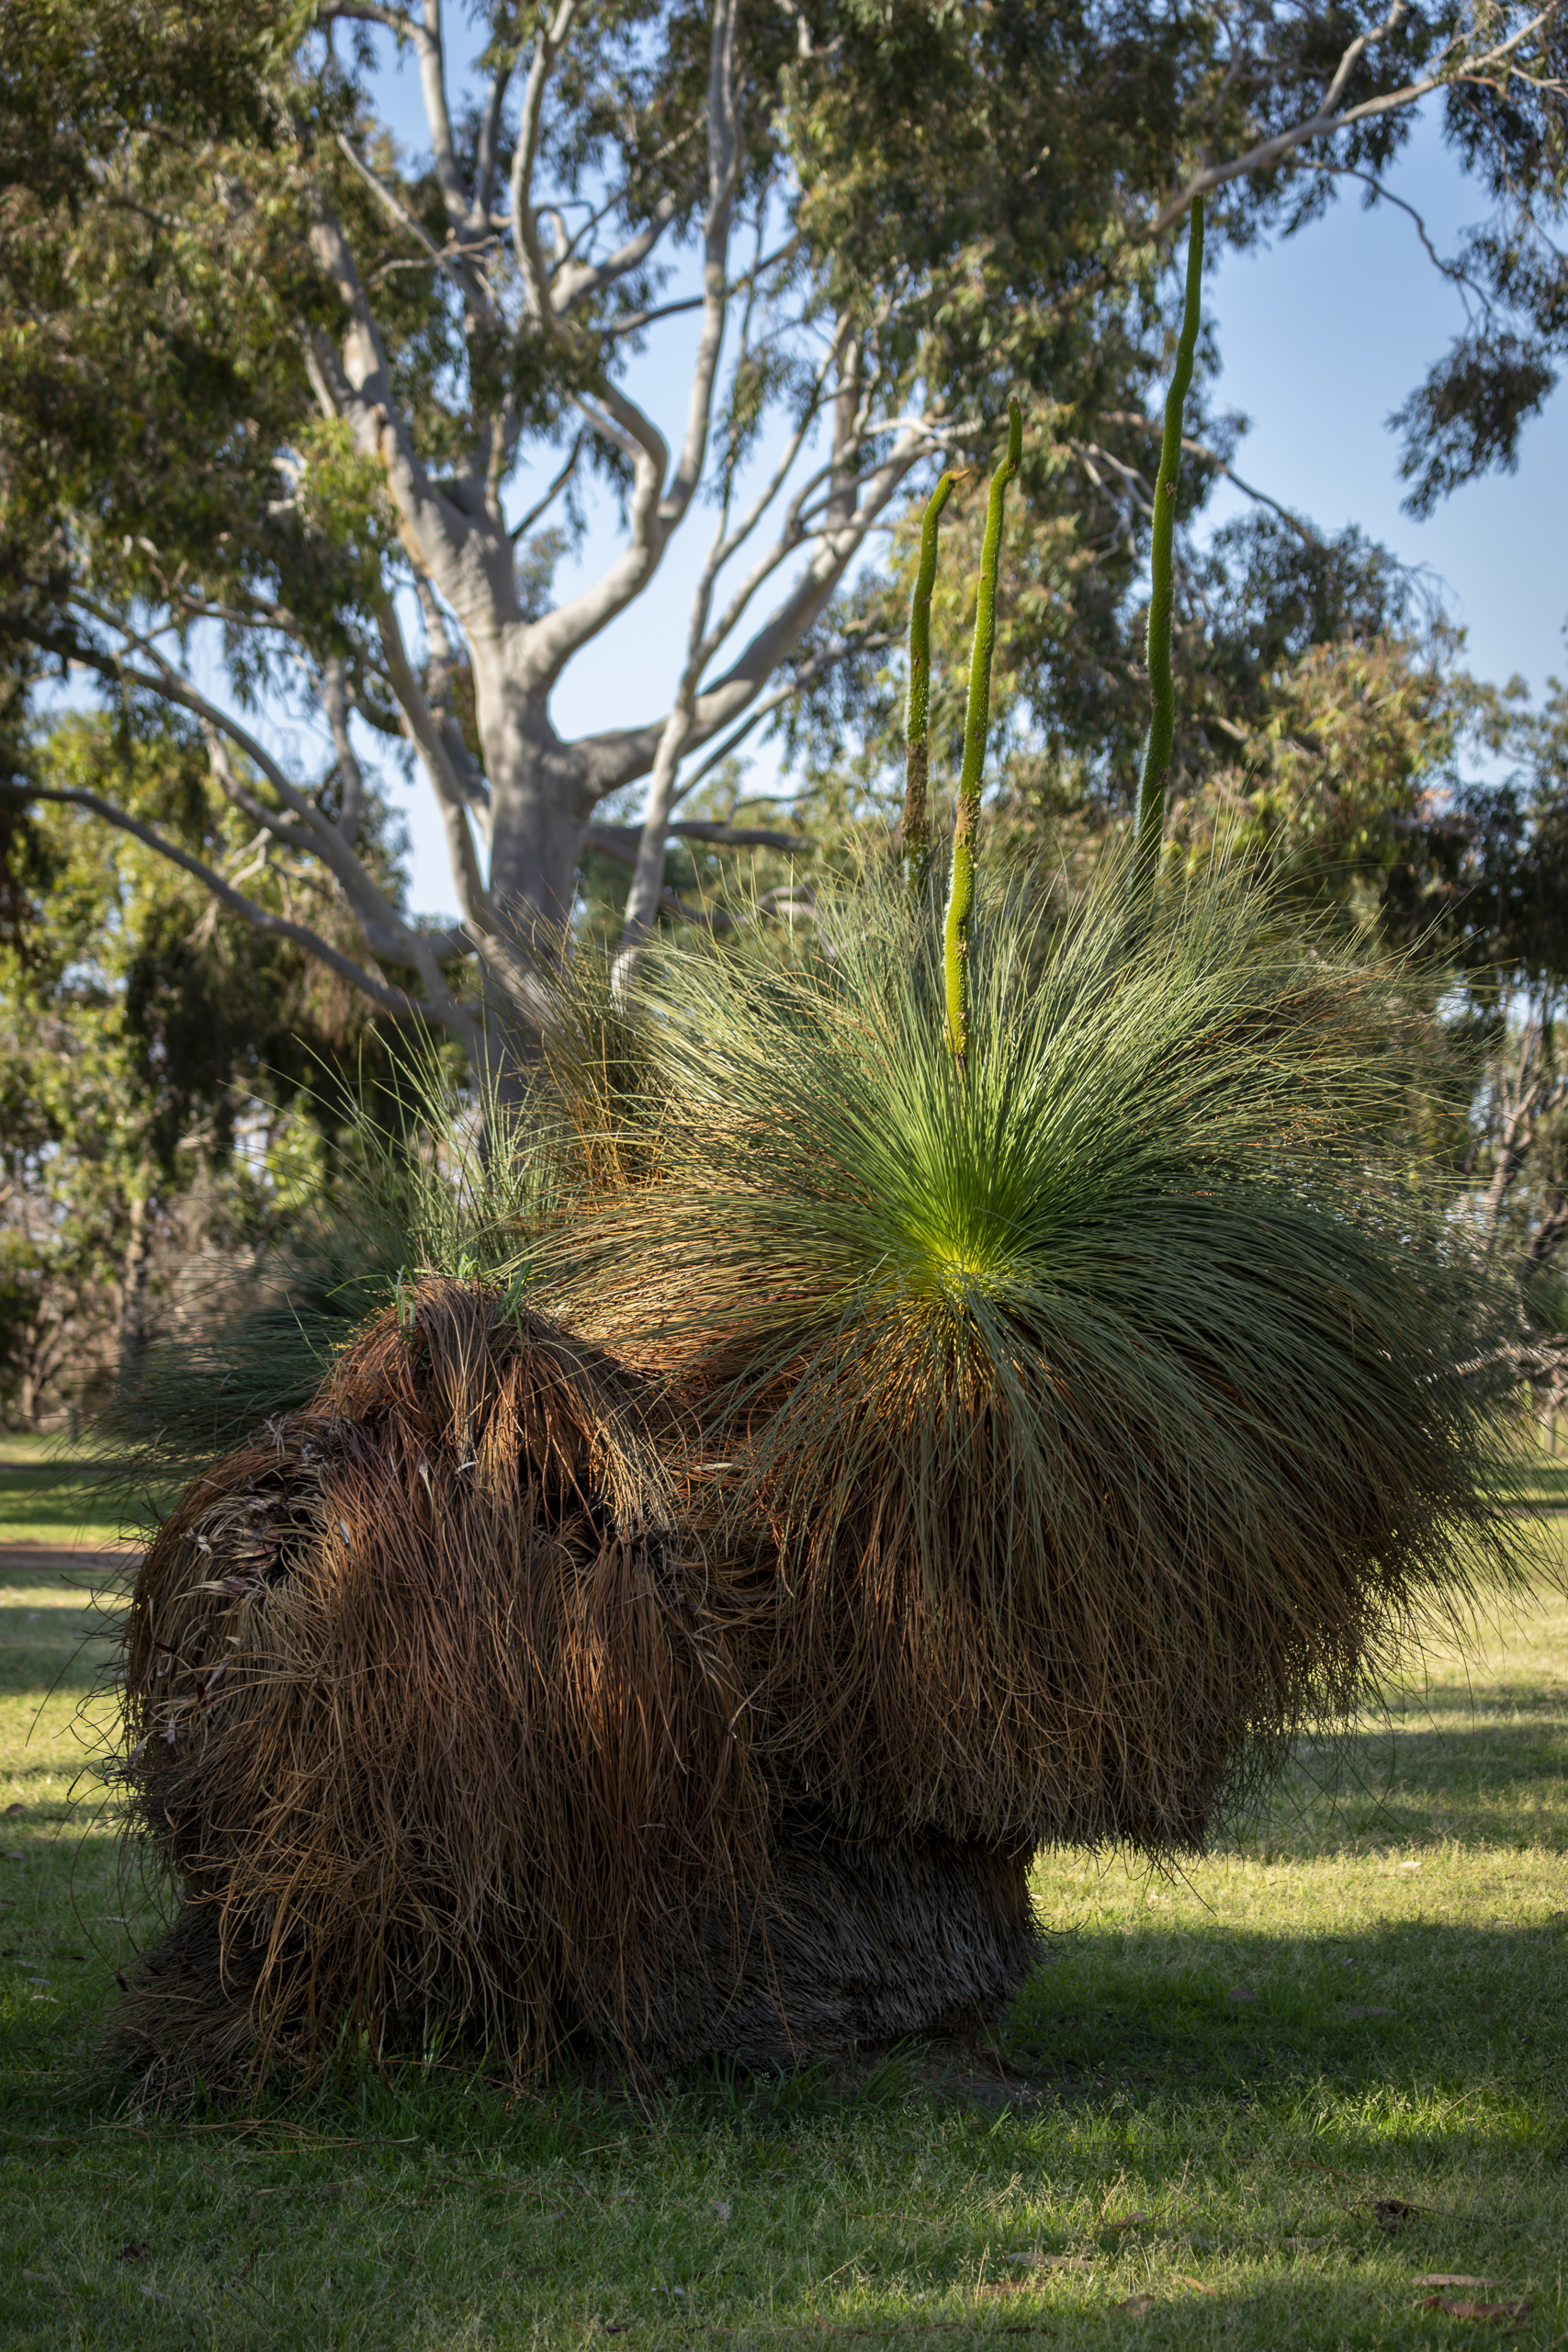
[1439, 2008]
[1483, 1768]
[1174, 2015]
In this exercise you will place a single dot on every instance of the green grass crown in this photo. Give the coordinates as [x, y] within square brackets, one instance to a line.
[1104, 1391]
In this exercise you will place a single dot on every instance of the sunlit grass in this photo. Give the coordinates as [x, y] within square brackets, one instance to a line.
[1399, 1921]
[61, 1503]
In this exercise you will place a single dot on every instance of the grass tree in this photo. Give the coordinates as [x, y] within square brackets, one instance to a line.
[872, 1442]
[1088, 1350]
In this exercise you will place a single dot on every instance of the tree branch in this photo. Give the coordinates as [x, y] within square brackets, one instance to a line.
[1449, 269]
[394, 1001]
[620, 756]
[640, 319]
[525, 221]
[547, 645]
[1325, 122]
[573, 282]
[608, 837]
[319, 837]
[433, 81]
[488, 159]
[806, 675]
[541, 507]
[334, 702]
[725, 150]
[621, 843]
[1144, 493]
[453, 264]
[473, 900]
[473, 786]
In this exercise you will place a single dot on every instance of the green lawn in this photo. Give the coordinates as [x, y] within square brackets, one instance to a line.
[53, 1494]
[1204, 2099]
[1541, 1479]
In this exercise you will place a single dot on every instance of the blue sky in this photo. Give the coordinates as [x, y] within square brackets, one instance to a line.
[1325, 334]
[1321, 336]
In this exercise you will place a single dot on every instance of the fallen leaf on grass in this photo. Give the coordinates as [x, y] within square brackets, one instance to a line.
[1054, 2261]
[1506, 2314]
[1132, 2222]
[134, 2250]
[723, 2211]
[1391, 2213]
[1183, 2280]
[1135, 2303]
[1450, 2278]
[1241, 1993]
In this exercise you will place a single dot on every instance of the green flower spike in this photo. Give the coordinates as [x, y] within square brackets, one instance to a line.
[917, 747]
[961, 890]
[1148, 826]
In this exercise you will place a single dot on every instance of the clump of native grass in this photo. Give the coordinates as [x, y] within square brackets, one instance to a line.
[430, 1177]
[1098, 1392]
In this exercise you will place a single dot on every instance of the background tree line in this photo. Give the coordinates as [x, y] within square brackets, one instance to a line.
[293, 422]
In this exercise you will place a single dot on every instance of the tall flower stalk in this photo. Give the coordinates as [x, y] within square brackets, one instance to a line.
[917, 727]
[966, 826]
[1148, 825]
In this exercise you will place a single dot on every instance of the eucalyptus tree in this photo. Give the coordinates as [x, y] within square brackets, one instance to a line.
[271, 384]
[173, 1083]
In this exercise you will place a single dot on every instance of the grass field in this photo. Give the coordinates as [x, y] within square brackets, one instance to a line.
[1258, 2104]
[52, 1494]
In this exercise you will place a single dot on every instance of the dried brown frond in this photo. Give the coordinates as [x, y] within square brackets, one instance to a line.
[434, 1711]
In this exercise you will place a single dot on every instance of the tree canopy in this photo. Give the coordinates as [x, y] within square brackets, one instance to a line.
[278, 395]
[168, 1071]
